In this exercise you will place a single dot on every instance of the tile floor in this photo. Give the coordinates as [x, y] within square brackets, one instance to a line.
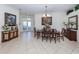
[27, 44]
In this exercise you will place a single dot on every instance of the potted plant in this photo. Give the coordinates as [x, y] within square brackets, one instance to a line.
[65, 24]
[5, 27]
[72, 24]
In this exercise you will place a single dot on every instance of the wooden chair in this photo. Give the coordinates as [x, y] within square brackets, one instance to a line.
[47, 35]
[35, 32]
[44, 35]
[58, 36]
[53, 35]
[62, 34]
[38, 34]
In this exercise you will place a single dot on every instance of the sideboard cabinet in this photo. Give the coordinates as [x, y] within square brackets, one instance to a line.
[8, 35]
[70, 34]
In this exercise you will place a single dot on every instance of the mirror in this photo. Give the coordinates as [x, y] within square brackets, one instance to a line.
[73, 22]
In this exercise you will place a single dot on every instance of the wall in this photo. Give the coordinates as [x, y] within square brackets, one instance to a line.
[8, 9]
[57, 20]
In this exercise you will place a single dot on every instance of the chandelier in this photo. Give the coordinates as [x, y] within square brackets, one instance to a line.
[46, 18]
[46, 11]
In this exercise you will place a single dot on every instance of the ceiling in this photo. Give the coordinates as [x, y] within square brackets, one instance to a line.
[38, 8]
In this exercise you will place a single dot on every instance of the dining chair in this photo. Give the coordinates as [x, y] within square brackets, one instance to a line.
[38, 34]
[35, 32]
[53, 35]
[62, 34]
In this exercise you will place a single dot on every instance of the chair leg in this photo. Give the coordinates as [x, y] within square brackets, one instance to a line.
[46, 39]
[59, 39]
[34, 35]
[63, 38]
[55, 40]
[42, 39]
[50, 40]
[37, 36]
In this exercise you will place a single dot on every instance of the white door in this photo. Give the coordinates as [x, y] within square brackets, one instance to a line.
[29, 27]
[26, 26]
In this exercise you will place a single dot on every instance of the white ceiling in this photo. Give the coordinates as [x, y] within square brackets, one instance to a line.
[37, 8]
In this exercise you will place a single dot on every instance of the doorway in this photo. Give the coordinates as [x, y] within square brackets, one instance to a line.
[26, 24]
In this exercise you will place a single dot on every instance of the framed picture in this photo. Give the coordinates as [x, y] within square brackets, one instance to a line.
[10, 19]
[47, 20]
[73, 22]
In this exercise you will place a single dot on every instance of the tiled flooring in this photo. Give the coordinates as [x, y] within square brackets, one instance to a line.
[27, 44]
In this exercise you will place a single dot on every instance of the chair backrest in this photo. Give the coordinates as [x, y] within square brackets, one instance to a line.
[62, 31]
[52, 30]
[55, 31]
[34, 29]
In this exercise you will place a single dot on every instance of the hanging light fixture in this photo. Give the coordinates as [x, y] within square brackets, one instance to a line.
[45, 17]
[46, 11]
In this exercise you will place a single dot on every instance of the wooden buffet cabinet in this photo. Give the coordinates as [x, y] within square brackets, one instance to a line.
[8, 35]
[70, 34]
[71, 28]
